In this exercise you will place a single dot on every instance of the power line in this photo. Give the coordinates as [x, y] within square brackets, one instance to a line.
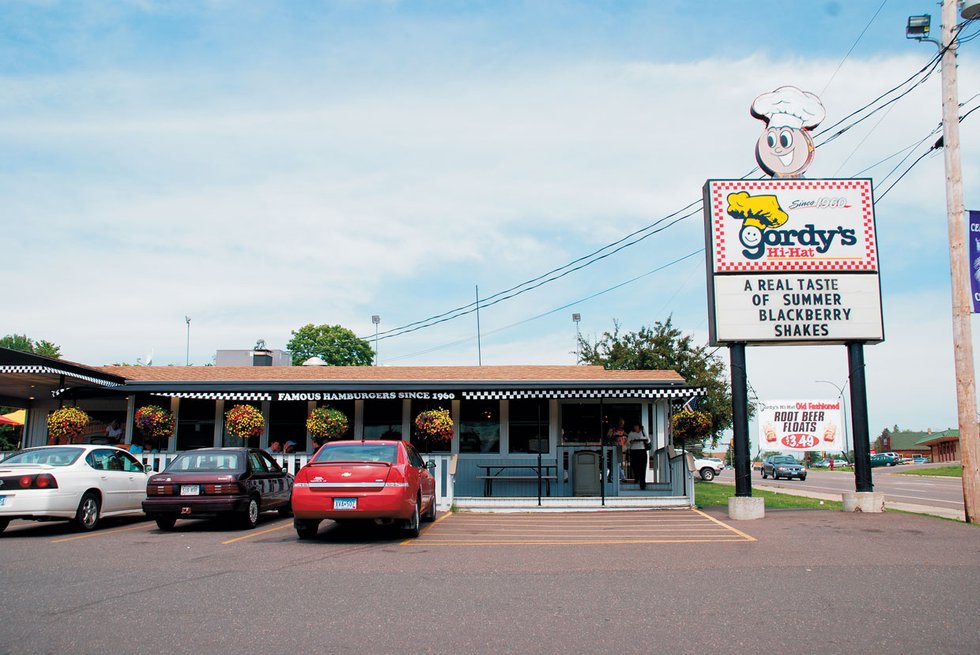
[853, 45]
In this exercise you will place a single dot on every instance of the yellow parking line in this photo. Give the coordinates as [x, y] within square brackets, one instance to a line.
[257, 534]
[100, 533]
[738, 532]
[423, 531]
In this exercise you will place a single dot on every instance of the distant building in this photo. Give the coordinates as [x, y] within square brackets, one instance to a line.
[943, 446]
[257, 356]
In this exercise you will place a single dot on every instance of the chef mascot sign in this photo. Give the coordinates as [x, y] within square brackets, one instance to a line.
[791, 260]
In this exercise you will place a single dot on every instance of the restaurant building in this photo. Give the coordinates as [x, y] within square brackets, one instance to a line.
[527, 432]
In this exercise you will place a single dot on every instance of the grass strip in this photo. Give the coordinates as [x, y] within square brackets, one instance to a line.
[942, 471]
[714, 494]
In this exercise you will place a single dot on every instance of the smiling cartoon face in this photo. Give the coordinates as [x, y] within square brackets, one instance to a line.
[784, 151]
[750, 236]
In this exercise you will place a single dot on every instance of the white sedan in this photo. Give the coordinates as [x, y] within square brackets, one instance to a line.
[80, 483]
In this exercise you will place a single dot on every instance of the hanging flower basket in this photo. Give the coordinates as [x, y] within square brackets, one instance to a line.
[66, 424]
[326, 424]
[689, 425]
[244, 422]
[154, 422]
[435, 424]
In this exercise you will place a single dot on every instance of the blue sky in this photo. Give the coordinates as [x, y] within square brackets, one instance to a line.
[260, 166]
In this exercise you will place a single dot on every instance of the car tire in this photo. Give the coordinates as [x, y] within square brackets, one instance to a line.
[764, 476]
[707, 474]
[412, 526]
[306, 528]
[802, 478]
[166, 521]
[430, 514]
[87, 514]
[3, 524]
[250, 517]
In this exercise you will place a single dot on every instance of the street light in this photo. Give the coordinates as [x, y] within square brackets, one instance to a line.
[376, 320]
[959, 260]
[187, 358]
[843, 399]
[578, 336]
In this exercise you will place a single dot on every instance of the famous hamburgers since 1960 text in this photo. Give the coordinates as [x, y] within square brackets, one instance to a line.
[796, 306]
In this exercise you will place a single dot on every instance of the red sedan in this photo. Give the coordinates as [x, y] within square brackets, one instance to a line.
[387, 481]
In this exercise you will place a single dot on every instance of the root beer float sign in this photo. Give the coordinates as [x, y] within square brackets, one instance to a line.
[800, 425]
[791, 260]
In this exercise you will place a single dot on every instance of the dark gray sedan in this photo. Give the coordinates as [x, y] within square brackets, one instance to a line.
[783, 466]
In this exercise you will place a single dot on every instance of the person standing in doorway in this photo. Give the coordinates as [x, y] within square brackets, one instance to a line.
[616, 437]
[638, 444]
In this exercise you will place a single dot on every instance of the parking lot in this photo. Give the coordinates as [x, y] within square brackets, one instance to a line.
[804, 580]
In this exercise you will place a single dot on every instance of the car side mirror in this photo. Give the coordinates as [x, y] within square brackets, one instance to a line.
[148, 468]
[430, 465]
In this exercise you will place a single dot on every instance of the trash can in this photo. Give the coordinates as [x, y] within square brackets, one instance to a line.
[585, 473]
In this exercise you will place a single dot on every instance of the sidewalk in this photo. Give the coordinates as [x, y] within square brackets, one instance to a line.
[942, 512]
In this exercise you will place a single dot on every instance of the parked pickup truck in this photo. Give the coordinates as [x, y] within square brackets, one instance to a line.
[708, 467]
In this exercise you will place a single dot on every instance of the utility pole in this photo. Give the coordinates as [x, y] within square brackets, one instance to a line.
[959, 263]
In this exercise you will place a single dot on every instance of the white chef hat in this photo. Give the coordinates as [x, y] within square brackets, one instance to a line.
[787, 106]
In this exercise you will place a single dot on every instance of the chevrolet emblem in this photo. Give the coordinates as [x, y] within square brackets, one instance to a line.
[345, 474]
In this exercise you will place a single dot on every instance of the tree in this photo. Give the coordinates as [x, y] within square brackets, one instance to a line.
[24, 344]
[664, 347]
[335, 345]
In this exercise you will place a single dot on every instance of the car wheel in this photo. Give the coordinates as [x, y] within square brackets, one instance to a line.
[764, 476]
[707, 474]
[250, 517]
[87, 514]
[166, 521]
[3, 524]
[802, 478]
[430, 514]
[411, 526]
[306, 528]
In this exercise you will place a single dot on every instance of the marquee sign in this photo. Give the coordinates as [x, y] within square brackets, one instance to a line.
[792, 261]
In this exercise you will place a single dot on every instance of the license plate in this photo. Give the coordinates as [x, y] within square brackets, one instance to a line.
[3, 501]
[190, 490]
[344, 503]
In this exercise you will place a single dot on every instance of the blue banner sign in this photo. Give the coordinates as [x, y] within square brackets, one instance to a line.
[975, 260]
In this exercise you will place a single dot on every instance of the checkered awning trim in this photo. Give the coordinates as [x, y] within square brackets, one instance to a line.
[218, 395]
[35, 369]
[581, 393]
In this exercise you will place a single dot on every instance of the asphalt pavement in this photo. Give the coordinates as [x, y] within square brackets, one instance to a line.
[668, 581]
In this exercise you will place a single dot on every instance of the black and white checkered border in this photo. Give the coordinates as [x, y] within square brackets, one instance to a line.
[34, 369]
[219, 395]
[581, 393]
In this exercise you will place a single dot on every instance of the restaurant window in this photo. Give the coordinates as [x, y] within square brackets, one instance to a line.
[195, 424]
[422, 443]
[229, 440]
[287, 422]
[581, 423]
[382, 419]
[479, 426]
[528, 424]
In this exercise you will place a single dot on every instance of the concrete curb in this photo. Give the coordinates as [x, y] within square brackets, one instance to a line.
[942, 512]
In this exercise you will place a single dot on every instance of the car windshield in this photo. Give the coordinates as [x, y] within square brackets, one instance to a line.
[360, 452]
[784, 460]
[53, 456]
[207, 460]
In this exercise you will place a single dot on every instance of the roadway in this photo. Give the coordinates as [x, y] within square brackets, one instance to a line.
[906, 492]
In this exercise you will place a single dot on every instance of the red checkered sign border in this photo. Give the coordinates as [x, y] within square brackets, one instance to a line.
[726, 249]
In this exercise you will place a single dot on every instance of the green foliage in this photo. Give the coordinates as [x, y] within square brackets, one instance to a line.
[664, 347]
[335, 345]
[689, 425]
[24, 344]
[715, 494]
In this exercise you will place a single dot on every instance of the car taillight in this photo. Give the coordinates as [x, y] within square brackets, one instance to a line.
[39, 481]
[159, 490]
[396, 478]
[46, 481]
[225, 488]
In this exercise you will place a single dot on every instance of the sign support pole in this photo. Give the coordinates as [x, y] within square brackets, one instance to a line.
[859, 417]
[740, 421]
